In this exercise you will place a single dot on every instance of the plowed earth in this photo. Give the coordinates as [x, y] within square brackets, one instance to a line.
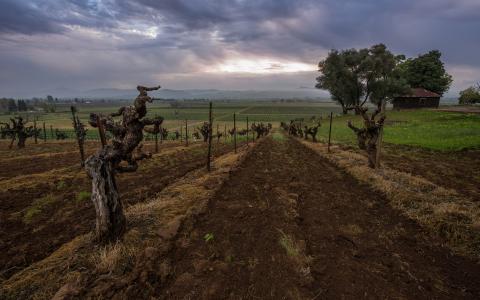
[39, 214]
[290, 225]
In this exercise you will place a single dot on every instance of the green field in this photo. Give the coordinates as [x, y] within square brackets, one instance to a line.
[422, 128]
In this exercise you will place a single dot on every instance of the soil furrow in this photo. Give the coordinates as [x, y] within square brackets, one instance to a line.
[66, 214]
[290, 225]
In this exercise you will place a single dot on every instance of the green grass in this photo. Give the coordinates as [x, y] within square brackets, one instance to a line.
[444, 131]
[277, 136]
[435, 130]
[83, 196]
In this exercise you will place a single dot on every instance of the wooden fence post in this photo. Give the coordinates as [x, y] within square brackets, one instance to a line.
[209, 138]
[161, 135]
[380, 138]
[101, 132]
[76, 124]
[44, 133]
[235, 132]
[181, 134]
[225, 133]
[186, 132]
[330, 131]
[35, 128]
[247, 131]
[51, 131]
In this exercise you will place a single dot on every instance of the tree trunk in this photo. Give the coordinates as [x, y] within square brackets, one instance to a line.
[21, 141]
[372, 155]
[110, 220]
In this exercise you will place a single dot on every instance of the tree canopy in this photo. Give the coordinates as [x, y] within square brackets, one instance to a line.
[427, 71]
[470, 95]
[354, 77]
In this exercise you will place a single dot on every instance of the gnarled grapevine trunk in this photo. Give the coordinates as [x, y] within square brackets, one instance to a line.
[110, 220]
[368, 136]
[125, 146]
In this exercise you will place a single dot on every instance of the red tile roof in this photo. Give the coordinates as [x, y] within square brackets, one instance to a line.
[421, 93]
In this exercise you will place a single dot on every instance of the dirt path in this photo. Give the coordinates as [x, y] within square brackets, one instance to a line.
[289, 225]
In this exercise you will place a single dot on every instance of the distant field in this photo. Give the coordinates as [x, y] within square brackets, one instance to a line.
[437, 130]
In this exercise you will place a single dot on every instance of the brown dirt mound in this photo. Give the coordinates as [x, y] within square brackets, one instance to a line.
[290, 225]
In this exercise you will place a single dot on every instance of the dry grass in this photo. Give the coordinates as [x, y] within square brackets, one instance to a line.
[296, 252]
[443, 211]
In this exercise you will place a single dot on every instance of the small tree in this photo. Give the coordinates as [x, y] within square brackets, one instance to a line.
[470, 95]
[21, 105]
[12, 105]
[125, 146]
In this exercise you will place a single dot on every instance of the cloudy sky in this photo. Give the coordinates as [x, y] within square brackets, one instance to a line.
[50, 45]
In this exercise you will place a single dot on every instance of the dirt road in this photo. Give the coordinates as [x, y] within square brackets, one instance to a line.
[290, 225]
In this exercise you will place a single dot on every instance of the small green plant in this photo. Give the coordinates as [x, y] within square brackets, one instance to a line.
[61, 185]
[288, 244]
[208, 237]
[37, 208]
[83, 196]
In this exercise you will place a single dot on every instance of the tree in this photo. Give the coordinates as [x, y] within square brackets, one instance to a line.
[339, 77]
[49, 107]
[470, 95]
[12, 106]
[49, 98]
[427, 71]
[21, 105]
[354, 77]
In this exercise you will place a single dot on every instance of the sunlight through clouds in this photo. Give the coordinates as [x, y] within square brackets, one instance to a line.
[262, 66]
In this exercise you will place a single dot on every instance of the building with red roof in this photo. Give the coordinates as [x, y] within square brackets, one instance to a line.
[417, 98]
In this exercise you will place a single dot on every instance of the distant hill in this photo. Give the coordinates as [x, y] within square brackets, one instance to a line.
[301, 93]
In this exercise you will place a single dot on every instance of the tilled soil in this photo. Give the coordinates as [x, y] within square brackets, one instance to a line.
[67, 215]
[459, 170]
[290, 225]
[40, 159]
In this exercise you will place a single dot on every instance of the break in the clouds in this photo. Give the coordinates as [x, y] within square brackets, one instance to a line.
[48, 45]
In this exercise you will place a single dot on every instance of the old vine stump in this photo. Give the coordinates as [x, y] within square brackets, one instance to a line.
[110, 220]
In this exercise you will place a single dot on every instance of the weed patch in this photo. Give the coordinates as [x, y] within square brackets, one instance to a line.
[37, 207]
[83, 196]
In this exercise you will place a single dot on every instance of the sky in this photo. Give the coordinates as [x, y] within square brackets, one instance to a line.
[49, 46]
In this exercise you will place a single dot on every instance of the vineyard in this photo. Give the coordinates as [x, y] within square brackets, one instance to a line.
[259, 200]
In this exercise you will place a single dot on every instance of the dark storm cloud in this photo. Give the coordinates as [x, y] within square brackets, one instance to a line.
[23, 17]
[145, 38]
